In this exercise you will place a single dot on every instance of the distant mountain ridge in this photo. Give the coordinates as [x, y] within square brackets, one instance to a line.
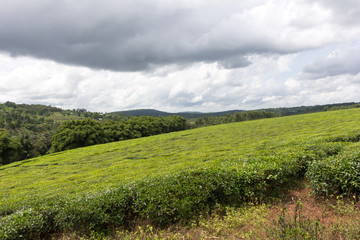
[282, 111]
[157, 113]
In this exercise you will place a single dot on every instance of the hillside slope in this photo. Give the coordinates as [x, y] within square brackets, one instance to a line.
[104, 166]
[268, 153]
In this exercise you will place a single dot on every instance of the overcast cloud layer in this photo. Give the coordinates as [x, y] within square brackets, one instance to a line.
[179, 55]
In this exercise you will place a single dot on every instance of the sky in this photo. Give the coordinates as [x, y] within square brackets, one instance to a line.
[179, 55]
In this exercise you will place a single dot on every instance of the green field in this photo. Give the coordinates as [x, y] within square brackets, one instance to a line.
[269, 152]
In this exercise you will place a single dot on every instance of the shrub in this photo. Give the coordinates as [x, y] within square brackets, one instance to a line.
[24, 224]
[349, 137]
[182, 196]
[98, 211]
[338, 174]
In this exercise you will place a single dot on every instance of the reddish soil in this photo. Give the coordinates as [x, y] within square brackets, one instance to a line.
[315, 208]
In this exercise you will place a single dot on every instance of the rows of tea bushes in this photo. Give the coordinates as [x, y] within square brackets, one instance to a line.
[163, 200]
[175, 177]
[338, 174]
[178, 197]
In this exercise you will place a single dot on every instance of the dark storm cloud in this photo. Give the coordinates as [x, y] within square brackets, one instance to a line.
[133, 35]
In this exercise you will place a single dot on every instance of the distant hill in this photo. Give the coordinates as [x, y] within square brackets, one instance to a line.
[287, 111]
[282, 111]
[144, 112]
[157, 113]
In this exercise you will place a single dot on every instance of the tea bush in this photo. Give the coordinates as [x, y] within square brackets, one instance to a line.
[100, 211]
[337, 175]
[24, 224]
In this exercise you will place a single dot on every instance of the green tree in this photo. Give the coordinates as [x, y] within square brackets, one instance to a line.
[176, 123]
[10, 149]
[117, 130]
[77, 133]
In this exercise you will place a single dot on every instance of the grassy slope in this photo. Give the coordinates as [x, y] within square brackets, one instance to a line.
[97, 167]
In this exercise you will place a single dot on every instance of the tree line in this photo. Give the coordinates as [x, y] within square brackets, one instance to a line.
[80, 133]
[236, 117]
[86, 132]
[27, 131]
[269, 113]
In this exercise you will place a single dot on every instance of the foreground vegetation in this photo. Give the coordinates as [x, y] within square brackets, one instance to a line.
[299, 215]
[176, 177]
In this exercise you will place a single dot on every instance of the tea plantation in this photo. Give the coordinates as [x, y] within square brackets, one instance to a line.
[174, 177]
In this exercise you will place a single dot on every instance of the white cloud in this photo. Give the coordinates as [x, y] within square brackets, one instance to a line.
[337, 62]
[184, 55]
